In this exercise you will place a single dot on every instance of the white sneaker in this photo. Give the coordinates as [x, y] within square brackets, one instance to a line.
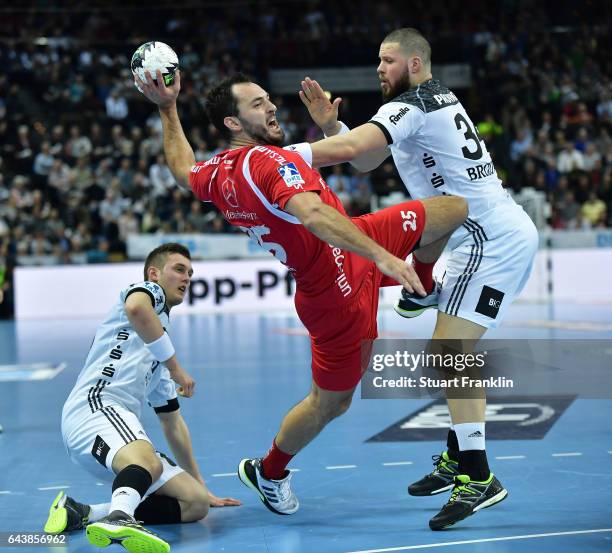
[412, 305]
[275, 494]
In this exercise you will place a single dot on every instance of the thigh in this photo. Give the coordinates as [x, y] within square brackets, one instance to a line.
[398, 228]
[180, 485]
[99, 436]
[341, 340]
[173, 480]
[483, 277]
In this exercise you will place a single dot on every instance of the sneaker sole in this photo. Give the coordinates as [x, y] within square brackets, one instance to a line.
[412, 313]
[58, 518]
[100, 534]
[497, 498]
[433, 492]
[242, 475]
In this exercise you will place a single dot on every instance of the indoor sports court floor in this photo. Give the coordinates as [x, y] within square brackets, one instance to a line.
[250, 369]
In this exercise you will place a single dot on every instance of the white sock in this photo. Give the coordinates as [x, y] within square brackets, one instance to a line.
[98, 511]
[125, 499]
[470, 435]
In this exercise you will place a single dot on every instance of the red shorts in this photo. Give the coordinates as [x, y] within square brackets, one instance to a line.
[343, 327]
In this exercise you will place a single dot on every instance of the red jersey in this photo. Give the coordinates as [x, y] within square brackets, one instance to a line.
[251, 186]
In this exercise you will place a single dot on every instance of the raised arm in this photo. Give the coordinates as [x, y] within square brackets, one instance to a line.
[332, 227]
[325, 115]
[179, 154]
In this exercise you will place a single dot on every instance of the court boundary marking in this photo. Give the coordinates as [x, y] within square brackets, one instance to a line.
[484, 540]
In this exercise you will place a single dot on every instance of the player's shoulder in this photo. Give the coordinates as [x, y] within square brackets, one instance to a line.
[429, 96]
[269, 156]
[152, 289]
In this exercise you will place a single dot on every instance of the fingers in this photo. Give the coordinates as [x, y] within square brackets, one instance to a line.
[414, 281]
[303, 97]
[312, 90]
[225, 502]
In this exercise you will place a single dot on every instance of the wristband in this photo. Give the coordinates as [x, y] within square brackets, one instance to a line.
[343, 130]
[304, 149]
[162, 348]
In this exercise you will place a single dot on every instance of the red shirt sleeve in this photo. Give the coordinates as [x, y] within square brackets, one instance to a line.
[199, 179]
[280, 174]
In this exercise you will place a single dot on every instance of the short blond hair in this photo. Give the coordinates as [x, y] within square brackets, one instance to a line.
[411, 41]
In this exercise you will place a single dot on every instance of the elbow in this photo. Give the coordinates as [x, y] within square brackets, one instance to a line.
[135, 311]
[311, 218]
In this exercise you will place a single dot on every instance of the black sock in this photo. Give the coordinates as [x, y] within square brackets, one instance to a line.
[473, 462]
[452, 445]
[135, 477]
[159, 509]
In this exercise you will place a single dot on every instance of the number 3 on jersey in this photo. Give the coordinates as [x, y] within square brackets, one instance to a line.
[470, 135]
[256, 234]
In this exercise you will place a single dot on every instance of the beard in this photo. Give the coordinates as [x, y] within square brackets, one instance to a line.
[398, 88]
[262, 135]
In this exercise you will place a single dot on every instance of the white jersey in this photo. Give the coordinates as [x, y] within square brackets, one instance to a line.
[437, 150]
[119, 370]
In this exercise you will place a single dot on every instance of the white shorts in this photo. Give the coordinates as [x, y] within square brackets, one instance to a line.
[489, 265]
[96, 439]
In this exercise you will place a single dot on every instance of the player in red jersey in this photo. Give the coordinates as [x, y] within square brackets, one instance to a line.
[338, 263]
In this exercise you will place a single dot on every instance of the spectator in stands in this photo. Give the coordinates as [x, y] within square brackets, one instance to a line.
[594, 210]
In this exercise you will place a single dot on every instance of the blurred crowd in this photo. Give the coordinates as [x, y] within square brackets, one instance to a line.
[81, 157]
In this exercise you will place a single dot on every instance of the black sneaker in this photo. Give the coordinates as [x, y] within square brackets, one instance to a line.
[122, 529]
[66, 515]
[412, 305]
[468, 497]
[275, 494]
[441, 479]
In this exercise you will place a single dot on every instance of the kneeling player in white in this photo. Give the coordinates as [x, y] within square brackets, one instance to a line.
[132, 360]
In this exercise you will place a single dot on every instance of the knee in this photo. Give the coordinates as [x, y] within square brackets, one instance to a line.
[333, 409]
[154, 466]
[196, 508]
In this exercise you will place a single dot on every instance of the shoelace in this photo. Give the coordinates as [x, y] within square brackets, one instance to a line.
[460, 489]
[284, 491]
[439, 462]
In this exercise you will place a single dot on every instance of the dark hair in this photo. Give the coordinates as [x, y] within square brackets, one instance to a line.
[221, 103]
[158, 256]
[411, 41]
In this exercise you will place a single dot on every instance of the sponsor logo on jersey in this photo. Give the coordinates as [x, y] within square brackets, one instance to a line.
[100, 450]
[449, 98]
[229, 192]
[290, 174]
[397, 116]
[341, 280]
[489, 302]
[271, 154]
[232, 215]
[481, 171]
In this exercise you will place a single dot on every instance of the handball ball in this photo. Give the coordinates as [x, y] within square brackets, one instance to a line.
[152, 56]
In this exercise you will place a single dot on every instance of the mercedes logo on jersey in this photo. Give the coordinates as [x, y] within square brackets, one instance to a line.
[229, 192]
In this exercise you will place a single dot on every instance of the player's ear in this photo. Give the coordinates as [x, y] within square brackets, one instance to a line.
[232, 123]
[153, 274]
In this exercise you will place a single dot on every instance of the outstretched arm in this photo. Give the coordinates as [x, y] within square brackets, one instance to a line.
[179, 154]
[325, 115]
[332, 227]
[179, 439]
